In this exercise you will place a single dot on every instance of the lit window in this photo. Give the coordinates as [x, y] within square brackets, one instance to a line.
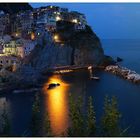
[58, 13]
[32, 36]
[58, 18]
[16, 34]
[74, 21]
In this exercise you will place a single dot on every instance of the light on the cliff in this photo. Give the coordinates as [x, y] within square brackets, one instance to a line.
[56, 37]
[58, 13]
[75, 21]
[16, 34]
[58, 18]
[32, 36]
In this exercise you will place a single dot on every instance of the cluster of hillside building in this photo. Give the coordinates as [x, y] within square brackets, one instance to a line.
[21, 32]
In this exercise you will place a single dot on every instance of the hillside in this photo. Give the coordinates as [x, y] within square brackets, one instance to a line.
[79, 48]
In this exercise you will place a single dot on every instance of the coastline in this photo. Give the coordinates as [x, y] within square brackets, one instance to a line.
[124, 72]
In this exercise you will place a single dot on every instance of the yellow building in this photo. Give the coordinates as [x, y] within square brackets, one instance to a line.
[11, 48]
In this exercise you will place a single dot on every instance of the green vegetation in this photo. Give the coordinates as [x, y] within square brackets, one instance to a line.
[82, 121]
[91, 119]
[111, 117]
[85, 125]
[37, 124]
[77, 118]
[81, 125]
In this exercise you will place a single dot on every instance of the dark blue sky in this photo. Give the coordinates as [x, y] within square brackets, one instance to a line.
[108, 20]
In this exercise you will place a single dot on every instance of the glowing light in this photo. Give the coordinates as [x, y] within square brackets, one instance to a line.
[56, 37]
[38, 34]
[16, 34]
[58, 13]
[58, 18]
[56, 103]
[32, 36]
[63, 71]
[75, 21]
[90, 67]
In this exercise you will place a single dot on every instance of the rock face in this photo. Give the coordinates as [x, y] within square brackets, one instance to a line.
[49, 56]
[52, 56]
[87, 51]
[86, 46]
[82, 48]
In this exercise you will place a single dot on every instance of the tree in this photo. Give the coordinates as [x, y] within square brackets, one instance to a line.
[77, 118]
[91, 119]
[111, 117]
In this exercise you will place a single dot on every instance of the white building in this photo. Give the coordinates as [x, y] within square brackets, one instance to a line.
[19, 48]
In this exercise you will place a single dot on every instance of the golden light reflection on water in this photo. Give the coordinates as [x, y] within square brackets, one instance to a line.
[57, 105]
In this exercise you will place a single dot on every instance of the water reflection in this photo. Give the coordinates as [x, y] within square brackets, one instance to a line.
[56, 103]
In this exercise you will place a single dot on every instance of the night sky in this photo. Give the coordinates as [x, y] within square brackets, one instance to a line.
[108, 20]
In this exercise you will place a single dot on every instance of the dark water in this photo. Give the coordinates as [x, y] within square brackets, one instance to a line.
[55, 101]
[128, 49]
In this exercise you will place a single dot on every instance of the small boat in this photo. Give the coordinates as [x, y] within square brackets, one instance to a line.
[95, 78]
[53, 85]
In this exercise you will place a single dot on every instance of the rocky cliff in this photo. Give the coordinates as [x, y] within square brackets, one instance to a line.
[87, 48]
[79, 48]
